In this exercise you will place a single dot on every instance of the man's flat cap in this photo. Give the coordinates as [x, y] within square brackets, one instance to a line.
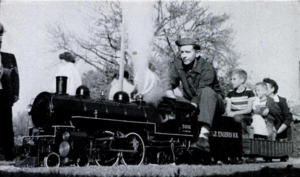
[187, 41]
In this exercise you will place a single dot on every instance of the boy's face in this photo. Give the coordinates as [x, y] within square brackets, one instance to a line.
[260, 91]
[236, 80]
[188, 54]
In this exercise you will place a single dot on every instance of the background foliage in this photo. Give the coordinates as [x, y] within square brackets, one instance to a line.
[173, 18]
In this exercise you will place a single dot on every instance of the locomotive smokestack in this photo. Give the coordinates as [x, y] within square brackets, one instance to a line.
[61, 85]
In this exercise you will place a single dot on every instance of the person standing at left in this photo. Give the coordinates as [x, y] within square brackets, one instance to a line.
[9, 94]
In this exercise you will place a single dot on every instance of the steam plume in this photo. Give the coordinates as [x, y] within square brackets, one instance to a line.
[138, 17]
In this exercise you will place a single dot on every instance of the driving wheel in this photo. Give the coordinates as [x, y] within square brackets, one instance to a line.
[108, 158]
[136, 150]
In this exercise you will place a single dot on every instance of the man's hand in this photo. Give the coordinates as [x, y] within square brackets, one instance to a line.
[16, 98]
[170, 94]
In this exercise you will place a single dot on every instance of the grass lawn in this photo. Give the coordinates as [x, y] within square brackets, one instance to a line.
[291, 168]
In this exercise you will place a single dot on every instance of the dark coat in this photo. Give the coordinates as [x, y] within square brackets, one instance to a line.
[274, 110]
[280, 114]
[10, 83]
[202, 75]
[285, 118]
[286, 115]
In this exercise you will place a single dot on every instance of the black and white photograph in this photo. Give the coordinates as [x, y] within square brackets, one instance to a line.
[149, 88]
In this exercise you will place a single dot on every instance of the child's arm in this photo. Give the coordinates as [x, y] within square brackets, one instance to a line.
[274, 109]
[264, 111]
[256, 106]
[228, 107]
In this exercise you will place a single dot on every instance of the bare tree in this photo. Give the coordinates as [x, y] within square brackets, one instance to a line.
[101, 48]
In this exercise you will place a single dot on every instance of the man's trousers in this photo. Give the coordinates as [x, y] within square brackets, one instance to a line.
[6, 128]
[210, 104]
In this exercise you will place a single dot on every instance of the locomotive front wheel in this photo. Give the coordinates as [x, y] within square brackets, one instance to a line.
[52, 160]
[82, 161]
[135, 143]
[110, 158]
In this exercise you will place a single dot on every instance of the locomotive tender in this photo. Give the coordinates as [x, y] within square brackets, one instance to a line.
[81, 131]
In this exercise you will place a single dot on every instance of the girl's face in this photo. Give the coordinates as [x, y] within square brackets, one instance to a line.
[270, 89]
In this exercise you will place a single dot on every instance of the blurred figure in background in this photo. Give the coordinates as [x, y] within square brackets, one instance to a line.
[148, 85]
[114, 86]
[9, 94]
[67, 68]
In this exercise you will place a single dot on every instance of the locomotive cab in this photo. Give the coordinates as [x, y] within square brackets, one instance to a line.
[176, 117]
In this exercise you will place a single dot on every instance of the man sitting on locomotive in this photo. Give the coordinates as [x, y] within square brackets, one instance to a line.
[239, 101]
[285, 118]
[200, 87]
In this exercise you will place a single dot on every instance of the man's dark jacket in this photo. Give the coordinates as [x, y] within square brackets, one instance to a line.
[202, 75]
[10, 83]
[274, 110]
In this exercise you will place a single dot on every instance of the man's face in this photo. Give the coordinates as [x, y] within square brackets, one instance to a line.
[270, 89]
[188, 54]
[260, 91]
[236, 80]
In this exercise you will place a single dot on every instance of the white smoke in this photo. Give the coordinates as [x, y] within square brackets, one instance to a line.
[139, 25]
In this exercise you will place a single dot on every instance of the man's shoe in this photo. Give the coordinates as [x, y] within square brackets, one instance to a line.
[9, 158]
[201, 144]
[296, 121]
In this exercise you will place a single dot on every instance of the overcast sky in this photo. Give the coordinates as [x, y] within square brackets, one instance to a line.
[266, 34]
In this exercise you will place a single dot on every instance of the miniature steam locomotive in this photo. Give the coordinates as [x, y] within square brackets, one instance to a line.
[77, 130]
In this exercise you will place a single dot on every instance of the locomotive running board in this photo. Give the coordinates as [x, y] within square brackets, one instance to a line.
[123, 150]
[153, 125]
